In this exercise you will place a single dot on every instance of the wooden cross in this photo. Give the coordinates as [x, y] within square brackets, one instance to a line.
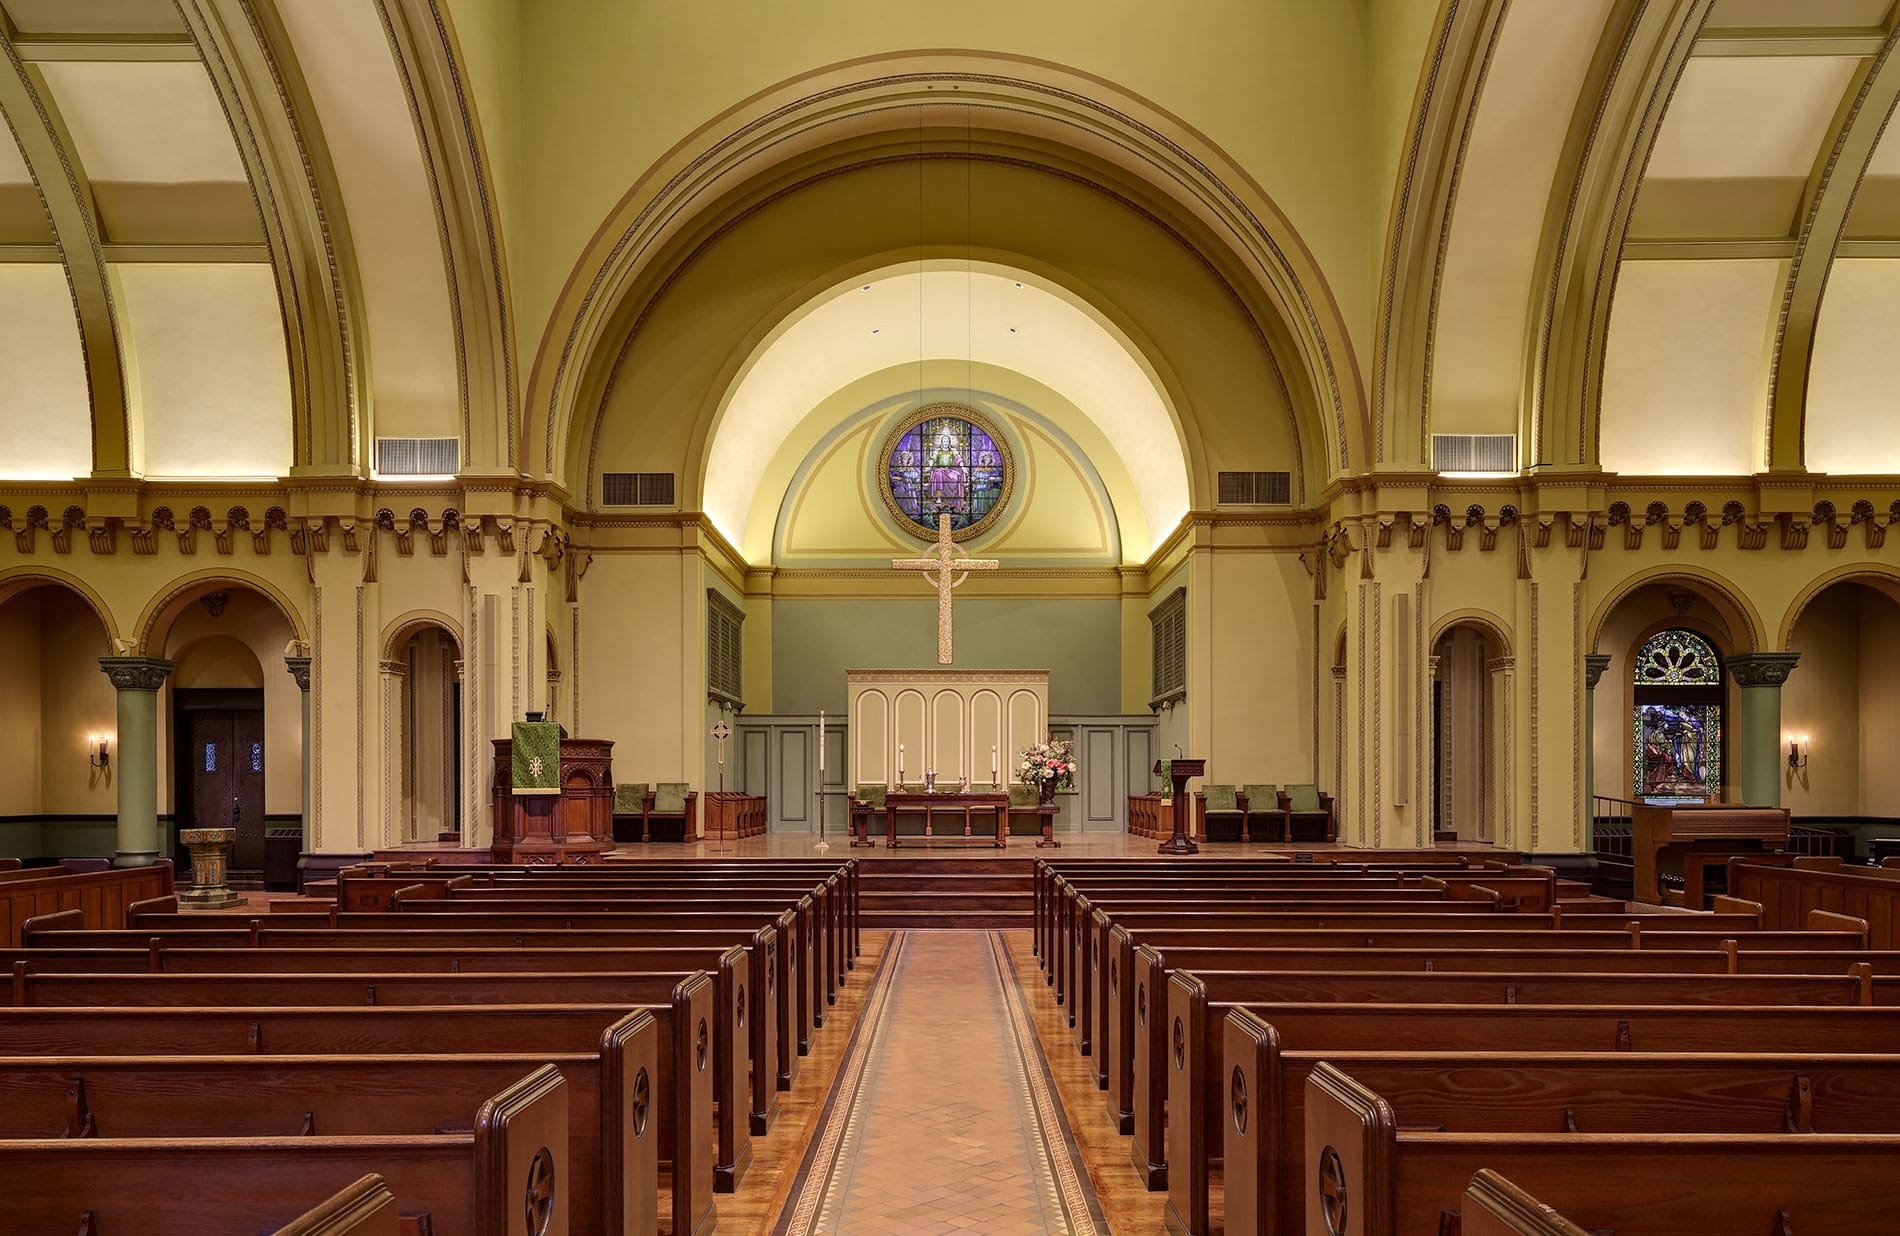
[949, 558]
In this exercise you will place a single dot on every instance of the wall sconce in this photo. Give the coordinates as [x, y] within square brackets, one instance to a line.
[1797, 753]
[98, 750]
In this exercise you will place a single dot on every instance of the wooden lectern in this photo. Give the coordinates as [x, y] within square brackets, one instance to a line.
[1180, 771]
[1693, 840]
[575, 826]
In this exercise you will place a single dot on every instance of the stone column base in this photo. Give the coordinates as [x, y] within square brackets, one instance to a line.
[208, 899]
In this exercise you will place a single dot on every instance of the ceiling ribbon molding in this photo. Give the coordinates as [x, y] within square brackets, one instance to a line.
[66, 195]
[1420, 228]
[1828, 202]
[429, 62]
[1621, 108]
[273, 121]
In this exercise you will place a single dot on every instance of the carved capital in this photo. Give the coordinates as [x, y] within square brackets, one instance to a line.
[393, 669]
[1762, 669]
[1498, 665]
[299, 668]
[1594, 663]
[136, 673]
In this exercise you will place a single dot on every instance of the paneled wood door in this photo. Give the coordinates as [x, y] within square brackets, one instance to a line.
[220, 749]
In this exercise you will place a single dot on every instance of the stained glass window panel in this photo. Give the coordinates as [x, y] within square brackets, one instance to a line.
[211, 757]
[1677, 659]
[946, 464]
[257, 757]
[1678, 752]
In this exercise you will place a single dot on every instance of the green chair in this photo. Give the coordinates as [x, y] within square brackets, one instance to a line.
[674, 800]
[631, 799]
[1221, 816]
[1263, 801]
[867, 801]
[1306, 804]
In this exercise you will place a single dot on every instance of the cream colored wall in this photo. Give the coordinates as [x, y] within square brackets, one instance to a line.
[1260, 672]
[634, 687]
[75, 700]
[1240, 73]
[20, 704]
[1823, 699]
[1879, 705]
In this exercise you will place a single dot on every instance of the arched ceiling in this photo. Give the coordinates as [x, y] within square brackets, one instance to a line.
[979, 313]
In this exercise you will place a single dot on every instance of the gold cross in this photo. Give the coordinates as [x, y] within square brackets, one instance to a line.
[948, 558]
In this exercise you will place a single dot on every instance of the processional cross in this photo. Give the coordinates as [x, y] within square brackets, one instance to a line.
[947, 559]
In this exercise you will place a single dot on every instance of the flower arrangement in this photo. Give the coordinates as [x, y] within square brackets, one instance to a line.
[1048, 764]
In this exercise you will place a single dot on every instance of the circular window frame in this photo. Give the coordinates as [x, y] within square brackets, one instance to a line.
[963, 412]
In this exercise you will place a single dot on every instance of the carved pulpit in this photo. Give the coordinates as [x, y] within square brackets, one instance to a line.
[575, 825]
[1180, 771]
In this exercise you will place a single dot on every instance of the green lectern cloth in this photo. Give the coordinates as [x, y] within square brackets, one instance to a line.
[537, 757]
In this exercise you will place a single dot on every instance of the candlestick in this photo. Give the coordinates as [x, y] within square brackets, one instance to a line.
[821, 741]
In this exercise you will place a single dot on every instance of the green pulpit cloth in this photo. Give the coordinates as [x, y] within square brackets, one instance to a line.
[537, 757]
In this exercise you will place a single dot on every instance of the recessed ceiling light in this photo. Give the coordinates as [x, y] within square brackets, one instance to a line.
[1019, 285]
[867, 287]
[1012, 330]
[876, 329]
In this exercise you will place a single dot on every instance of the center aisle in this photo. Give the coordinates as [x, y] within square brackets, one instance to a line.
[943, 1118]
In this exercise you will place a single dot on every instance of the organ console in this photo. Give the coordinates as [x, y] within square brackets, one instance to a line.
[1691, 840]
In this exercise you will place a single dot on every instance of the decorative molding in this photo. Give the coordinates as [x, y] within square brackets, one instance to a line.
[136, 673]
[299, 668]
[1594, 665]
[1761, 669]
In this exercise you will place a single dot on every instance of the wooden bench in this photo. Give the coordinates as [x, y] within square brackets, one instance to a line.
[364, 1208]
[501, 1174]
[1263, 1088]
[719, 1038]
[1399, 1182]
[612, 1173]
[1493, 1206]
[683, 1098]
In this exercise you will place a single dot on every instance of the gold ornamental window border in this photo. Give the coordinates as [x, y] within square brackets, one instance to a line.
[932, 412]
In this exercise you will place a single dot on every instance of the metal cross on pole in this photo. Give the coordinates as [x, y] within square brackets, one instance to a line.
[721, 732]
[947, 559]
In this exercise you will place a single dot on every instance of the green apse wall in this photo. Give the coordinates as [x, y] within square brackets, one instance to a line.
[815, 641]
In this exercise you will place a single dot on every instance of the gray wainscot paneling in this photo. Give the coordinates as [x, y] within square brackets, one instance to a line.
[1116, 754]
[781, 763]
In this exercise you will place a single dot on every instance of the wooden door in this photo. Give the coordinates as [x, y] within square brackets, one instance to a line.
[222, 769]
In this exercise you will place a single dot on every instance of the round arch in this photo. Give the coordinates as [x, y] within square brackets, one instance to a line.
[1493, 627]
[1717, 590]
[398, 631]
[164, 607]
[872, 100]
[1874, 574]
[15, 580]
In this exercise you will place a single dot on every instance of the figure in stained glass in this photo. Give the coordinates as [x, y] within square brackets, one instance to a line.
[946, 461]
[1677, 729]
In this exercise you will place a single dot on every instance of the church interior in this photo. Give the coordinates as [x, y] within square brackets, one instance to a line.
[1258, 616]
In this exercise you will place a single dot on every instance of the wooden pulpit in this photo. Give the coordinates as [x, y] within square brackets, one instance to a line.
[575, 826]
[1180, 771]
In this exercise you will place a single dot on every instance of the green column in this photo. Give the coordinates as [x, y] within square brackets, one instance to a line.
[1594, 663]
[299, 668]
[137, 680]
[1760, 675]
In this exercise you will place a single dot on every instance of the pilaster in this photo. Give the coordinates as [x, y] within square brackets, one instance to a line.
[1760, 676]
[137, 680]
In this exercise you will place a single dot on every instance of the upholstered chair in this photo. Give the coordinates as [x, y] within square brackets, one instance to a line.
[1305, 804]
[1261, 802]
[631, 801]
[1221, 816]
[675, 800]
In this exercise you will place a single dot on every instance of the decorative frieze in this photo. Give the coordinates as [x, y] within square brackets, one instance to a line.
[136, 673]
[1761, 669]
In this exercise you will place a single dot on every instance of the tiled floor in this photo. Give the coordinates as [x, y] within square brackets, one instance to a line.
[944, 1119]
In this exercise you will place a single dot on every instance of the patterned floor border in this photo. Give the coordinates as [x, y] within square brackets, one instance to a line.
[1081, 1208]
[813, 1183]
[812, 1198]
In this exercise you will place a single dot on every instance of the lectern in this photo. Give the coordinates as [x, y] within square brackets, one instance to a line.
[1180, 771]
[575, 826]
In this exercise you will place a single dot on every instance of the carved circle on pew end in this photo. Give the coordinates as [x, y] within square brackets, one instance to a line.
[1141, 1004]
[540, 1194]
[1238, 1093]
[739, 1007]
[699, 1046]
[642, 1102]
[1332, 1192]
[1180, 1044]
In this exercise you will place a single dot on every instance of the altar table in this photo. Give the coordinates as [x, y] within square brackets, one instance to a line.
[964, 801]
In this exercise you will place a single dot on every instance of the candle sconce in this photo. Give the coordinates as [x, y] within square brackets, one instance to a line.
[99, 751]
[1797, 753]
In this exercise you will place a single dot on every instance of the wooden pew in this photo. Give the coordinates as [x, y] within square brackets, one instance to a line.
[102, 898]
[503, 1174]
[364, 1208]
[1262, 1104]
[612, 1173]
[1182, 1048]
[762, 1030]
[685, 1141]
[718, 1039]
[1400, 1181]
[1493, 1206]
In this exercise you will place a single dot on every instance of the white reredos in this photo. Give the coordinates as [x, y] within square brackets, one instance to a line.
[938, 312]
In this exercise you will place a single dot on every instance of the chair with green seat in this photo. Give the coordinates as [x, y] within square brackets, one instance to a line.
[1262, 801]
[1221, 818]
[674, 815]
[1305, 804]
[868, 801]
[632, 801]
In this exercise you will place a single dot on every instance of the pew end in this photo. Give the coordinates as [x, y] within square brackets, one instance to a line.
[1351, 1149]
[60, 920]
[1827, 920]
[365, 1208]
[730, 1050]
[1493, 1206]
[1150, 1070]
[629, 1086]
[1187, 1073]
[521, 1136]
[694, 1001]
[1250, 1059]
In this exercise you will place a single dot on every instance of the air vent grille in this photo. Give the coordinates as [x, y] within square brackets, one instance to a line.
[1474, 452]
[636, 489]
[1255, 488]
[418, 456]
